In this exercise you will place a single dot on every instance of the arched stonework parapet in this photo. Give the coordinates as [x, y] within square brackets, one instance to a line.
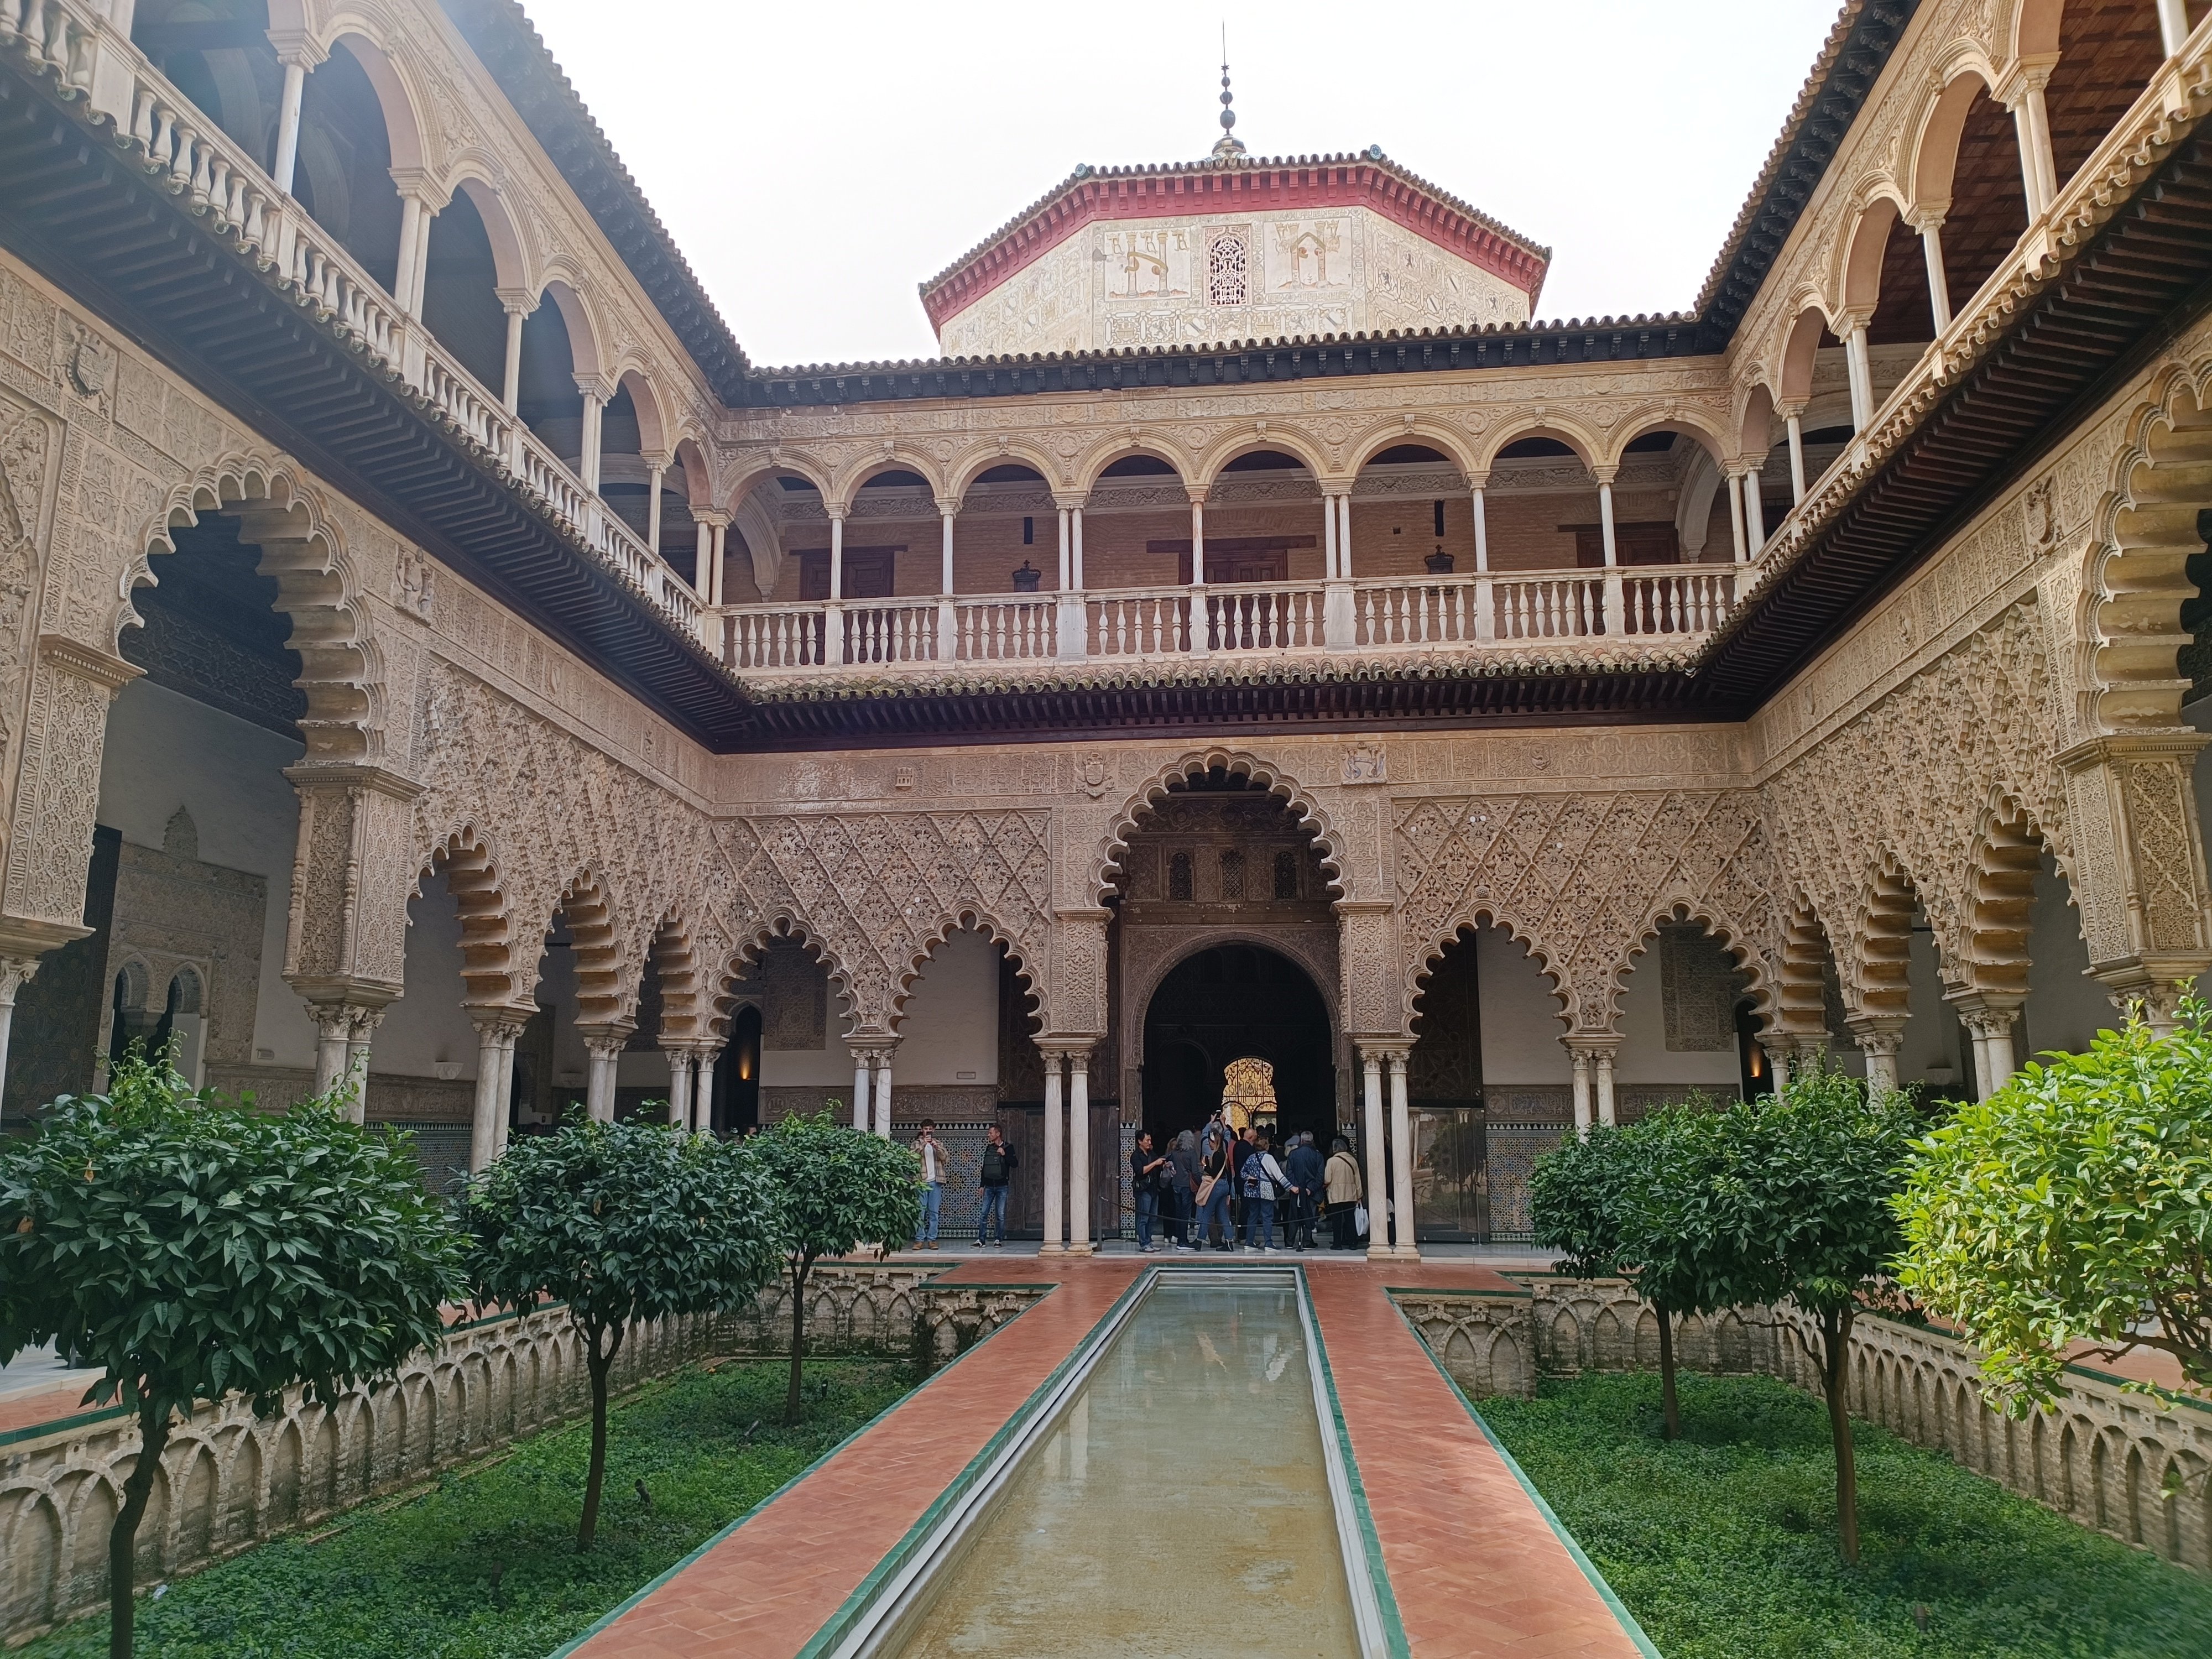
[754, 468]
[1801, 991]
[1707, 427]
[1578, 876]
[721, 996]
[1277, 781]
[892, 457]
[1407, 428]
[1758, 973]
[1154, 953]
[973, 918]
[875, 887]
[465, 858]
[1901, 785]
[2148, 527]
[606, 989]
[318, 586]
[675, 954]
[961, 467]
[1424, 962]
[1553, 423]
[1247, 440]
[2002, 862]
[1104, 451]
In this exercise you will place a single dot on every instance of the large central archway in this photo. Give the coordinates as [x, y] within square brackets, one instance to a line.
[1232, 1002]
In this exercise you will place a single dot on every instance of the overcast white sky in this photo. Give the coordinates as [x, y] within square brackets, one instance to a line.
[816, 162]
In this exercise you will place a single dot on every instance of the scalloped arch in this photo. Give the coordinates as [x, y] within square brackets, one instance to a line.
[466, 856]
[783, 924]
[318, 586]
[969, 918]
[1733, 937]
[1276, 779]
[1422, 963]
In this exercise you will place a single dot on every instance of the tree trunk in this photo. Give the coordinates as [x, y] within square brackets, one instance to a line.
[1673, 1430]
[598, 1365]
[1836, 1333]
[123, 1536]
[798, 1266]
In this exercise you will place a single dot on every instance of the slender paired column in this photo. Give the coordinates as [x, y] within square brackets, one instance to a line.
[1378, 1181]
[1793, 419]
[2172, 24]
[1930, 226]
[1055, 1157]
[1201, 629]
[1988, 1020]
[836, 554]
[1859, 359]
[1066, 553]
[702, 1090]
[1580, 1060]
[1075, 543]
[1404, 1245]
[1613, 618]
[948, 614]
[656, 469]
[1603, 1059]
[587, 459]
[1481, 528]
[14, 973]
[679, 1087]
[496, 1031]
[1329, 554]
[882, 1095]
[1344, 534]
[414, 237]
[343, 1031]
[703, 560]
[2039, 172]
[518, 304]
[946, 511]
[287, 124]
[1071, 621]
[1736, 527]
[1879, 1036]
[1340, 626]
[1079, 1152]
[863, 1077]
[1755, 512]
[604, 1045]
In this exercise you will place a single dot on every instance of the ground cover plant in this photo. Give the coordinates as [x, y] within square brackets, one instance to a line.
[1719, 1542]
[484, 1565]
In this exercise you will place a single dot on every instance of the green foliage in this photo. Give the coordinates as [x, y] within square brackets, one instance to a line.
[836, 1188]
[483, 1564]
[191, 1246]
[2070, 1203]
[1579, 1193]
[1716, 1541]
[622, 1222]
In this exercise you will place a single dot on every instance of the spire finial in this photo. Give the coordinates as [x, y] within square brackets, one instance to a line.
[1227, 147]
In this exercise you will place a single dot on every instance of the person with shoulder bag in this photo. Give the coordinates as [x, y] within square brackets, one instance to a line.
[1264, 1182]
[1213, 1195]
[1342, 1182]
[997, 1174]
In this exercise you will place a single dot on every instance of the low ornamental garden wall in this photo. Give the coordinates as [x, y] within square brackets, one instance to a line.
[2109, 1459]
[230, 1480]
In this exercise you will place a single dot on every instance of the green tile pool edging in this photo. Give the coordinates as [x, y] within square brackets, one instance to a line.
[635, 1596]
[1627, 1619]
[836, 1627]
[1370, 1542]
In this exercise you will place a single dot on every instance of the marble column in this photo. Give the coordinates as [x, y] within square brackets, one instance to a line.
[1580, 1062]
[1079, 1152]
[1055, 1162]
[679, 1086]
[1378, 1181]
[1879, 1038]
[14, 973]
[604, 1045]
[496, 1031]
[863, 1078]
[1404, 1244]
[702, 1090]
[883, 1093]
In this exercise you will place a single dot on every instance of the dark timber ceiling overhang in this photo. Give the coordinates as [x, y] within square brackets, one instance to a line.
[77, 205]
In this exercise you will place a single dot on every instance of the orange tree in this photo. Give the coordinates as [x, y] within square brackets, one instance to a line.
[621, 1222]
[192, 1247]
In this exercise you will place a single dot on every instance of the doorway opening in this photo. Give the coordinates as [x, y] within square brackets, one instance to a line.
[1245, 1007]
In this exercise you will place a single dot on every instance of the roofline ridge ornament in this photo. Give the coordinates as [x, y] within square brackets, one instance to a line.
[1228, 147]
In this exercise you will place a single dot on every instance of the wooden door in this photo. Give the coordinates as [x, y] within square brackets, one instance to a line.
[1268, 565]
[865, 573]
[1022, 1125]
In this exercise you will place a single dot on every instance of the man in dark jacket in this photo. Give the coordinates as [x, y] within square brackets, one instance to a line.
[1304, 1166]
[997, 1173]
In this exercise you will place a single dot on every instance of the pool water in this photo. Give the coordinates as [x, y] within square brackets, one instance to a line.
[1180, 1508]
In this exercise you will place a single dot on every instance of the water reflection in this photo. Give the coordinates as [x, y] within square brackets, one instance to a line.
[1180, 1508]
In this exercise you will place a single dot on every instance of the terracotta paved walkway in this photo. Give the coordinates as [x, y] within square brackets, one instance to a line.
[1477, 1572]
[766, 1588]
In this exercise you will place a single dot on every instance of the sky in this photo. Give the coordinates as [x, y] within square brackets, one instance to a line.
[816, 162]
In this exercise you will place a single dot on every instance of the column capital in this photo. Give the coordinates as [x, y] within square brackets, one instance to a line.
[1592, 1043]
[595, 385]
[1385, 1049]
[2176, 743]
[1478, 478]
[516, 302]
[23, 939]
[1849, 320]
[1069, 500]
[1196, 493]
[1332, 488]
[297, 48]
[606, 1037]
[1793, 408]
[1605, 475]
[714, 518]
[320, 991]
[503, 1021]
[1877, 1034]
[1987, 1014]
[2029, 75]
[417, 182]
[1069, 1043]
[1926, 217]
[948, 507]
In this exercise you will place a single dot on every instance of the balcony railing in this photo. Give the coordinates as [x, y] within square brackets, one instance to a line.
[229, 190]
[1396, 615]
